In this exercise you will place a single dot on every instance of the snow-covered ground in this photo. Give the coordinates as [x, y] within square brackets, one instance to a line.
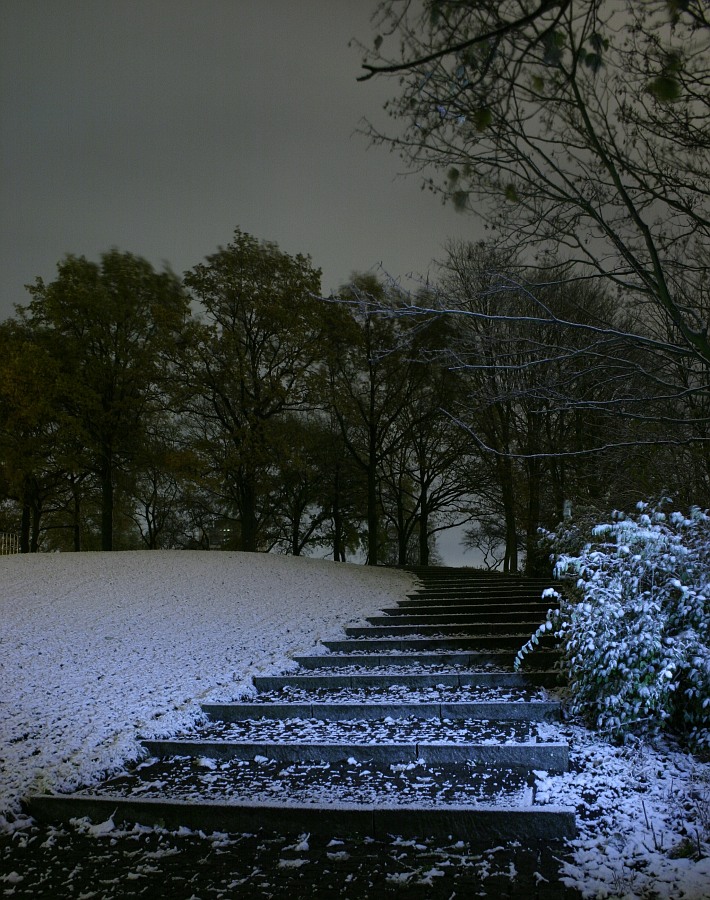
[97, 650]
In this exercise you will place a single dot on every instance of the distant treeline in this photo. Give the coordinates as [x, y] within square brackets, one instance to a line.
[236, 408]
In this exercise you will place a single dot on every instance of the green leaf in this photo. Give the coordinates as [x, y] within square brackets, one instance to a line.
[553, 43]
[482, 118]
[538, 83]
[674, 62]
[460, 199]
[511, 194]
[435, 13]
[665, 88]
[453, 175]
[599, 43]
[593, 61]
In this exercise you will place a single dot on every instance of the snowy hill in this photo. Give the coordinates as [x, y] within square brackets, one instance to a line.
[99, 649]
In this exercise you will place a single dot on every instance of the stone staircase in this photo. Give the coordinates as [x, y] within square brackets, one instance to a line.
[415, 724]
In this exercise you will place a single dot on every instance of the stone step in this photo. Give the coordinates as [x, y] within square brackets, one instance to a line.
[544, 659]
[538, 710]
[479, 824]
[453, 617]
[482, 587]
[477, 596]
[432, 572]
[404, 644]
[204, 783]
[503, 680]
[395, 749]
[441, 573]
[377, 732]
[550, 757]
[420, 608]
[481, 590]
[205, 778]
[399, 693]
[486, 583]
[522, 630]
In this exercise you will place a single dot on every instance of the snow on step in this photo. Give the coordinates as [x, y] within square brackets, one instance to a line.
[413, 661]
[456, 611]
[393, 676]
[388, 643]
[521, 630]
[549, 757]
[458, 594]
[262, 779]
[482, 825]
[436, 737]
[379, 731]
[500, 710]
[398, 693]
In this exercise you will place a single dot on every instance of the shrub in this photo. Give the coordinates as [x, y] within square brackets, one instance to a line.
[635, 626]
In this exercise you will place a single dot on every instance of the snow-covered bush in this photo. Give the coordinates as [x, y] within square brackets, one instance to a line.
[635, 624]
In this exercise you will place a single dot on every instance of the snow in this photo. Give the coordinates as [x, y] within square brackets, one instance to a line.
[640, 809]
[98, 650]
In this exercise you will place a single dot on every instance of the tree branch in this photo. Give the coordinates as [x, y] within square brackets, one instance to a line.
[494, 34]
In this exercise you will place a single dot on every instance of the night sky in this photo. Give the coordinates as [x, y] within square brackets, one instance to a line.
[158, 126]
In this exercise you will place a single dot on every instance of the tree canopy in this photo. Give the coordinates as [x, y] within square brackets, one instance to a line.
[108, 327]
[364, 423]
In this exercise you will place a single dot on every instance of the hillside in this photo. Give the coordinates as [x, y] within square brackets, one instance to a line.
[97, 649]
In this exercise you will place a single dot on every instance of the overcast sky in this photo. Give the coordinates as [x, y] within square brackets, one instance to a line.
[158, 126]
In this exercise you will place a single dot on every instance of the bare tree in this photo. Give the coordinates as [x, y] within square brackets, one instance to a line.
[579, 126]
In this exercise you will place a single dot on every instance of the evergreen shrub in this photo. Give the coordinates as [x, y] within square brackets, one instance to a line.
[633, 620]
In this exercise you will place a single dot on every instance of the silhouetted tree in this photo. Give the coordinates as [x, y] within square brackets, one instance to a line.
[251, 360]
[107, 327]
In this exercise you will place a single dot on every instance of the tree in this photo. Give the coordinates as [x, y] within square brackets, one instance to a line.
[108, 327]
[251, 361]
[373, 379]
[577, 126]
[342, 490]
[536, 398]
[426, 480]
[160, 508]
[301, 501]
[28, 428]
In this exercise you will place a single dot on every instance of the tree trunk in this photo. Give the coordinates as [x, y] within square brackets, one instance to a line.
[533, 561]
[424, 529]
[247, 511]
[25, 528]
[510, 562]
[402, 537]
[76, 520]
[338, 539]
[372, 516]
[34, 540]
[296, 530]
[106, 501]
[510, 559]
